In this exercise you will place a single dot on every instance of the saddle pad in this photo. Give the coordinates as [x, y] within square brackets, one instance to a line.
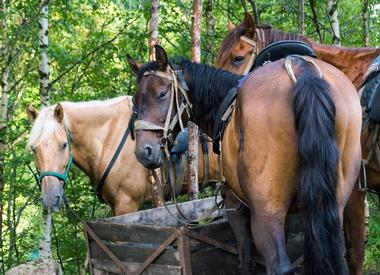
[281, 49]
[370, 98]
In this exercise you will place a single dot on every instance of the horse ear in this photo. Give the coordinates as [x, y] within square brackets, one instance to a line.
[250, 26]
[161, 58]
[230, 25]
[135, 66]
[32, 113]
[58, 112]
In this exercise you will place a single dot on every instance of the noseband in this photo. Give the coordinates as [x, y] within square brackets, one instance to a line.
[178, 88]
[253, 56]
[61, 176]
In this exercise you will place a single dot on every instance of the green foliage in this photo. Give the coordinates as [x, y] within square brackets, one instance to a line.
[89, 41]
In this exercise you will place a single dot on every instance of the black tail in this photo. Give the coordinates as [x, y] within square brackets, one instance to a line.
[314, 112]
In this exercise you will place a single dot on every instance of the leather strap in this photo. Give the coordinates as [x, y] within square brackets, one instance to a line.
[102, 180]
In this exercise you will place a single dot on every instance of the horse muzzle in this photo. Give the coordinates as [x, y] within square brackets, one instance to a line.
[149, 155]
[52, 194]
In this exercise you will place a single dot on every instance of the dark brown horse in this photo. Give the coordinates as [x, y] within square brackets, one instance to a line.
[279, 133]
[235, 54]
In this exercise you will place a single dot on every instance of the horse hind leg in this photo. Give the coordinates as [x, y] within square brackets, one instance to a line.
[239, 220]
[354, 232]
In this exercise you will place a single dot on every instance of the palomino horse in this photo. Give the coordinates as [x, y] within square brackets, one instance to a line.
[92, 131]
[237, 53]
[279, 131]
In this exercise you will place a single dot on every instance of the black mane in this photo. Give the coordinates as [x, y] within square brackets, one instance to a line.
[208, 87]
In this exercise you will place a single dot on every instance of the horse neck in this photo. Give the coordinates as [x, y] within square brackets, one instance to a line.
[208, 87]
[96, 128]
[354, 62]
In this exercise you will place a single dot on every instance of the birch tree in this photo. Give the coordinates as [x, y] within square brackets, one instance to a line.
[44, 70]
[155, 177]
[210, 26]
[3, 114]
[365, 16]
[333, 16]
[193, 129]
[153, 27]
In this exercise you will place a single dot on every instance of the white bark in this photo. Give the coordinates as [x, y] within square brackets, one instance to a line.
[45, 243]
[333, 14]
[3, 111]
[44, 61]
[153, 27]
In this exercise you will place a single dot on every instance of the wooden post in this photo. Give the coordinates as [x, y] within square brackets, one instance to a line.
[184, 252]
[193, 129]
[153, 27]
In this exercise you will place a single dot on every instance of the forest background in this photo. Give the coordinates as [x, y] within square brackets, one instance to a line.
[88, 44]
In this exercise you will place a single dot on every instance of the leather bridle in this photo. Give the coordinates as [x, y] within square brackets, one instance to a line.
[178, 98]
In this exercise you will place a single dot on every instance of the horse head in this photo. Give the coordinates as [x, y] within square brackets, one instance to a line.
[50, 141]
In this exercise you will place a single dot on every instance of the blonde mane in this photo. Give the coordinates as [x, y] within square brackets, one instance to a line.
[45, 126]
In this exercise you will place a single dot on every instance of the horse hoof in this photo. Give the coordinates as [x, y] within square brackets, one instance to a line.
[285, 269]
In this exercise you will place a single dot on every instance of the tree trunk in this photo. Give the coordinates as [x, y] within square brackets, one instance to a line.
[44, 61]
[315, 19]
[153, 27]
[3, 117]
[210, 26]
[255, 11]
[193, 129]
[301, 17]
[365, 16]
[333, 15]
[155, 178]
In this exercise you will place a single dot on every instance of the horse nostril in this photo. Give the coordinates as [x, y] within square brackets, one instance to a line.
[58, 200]
[148, 150]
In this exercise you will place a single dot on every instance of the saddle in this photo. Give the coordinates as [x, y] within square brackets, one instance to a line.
[370, 98]
[282, 49]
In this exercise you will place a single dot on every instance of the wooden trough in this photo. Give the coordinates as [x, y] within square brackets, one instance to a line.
[155, 242]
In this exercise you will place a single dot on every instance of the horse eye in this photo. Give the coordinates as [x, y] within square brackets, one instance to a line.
[64, 145]
[162, 94]
[239, 58]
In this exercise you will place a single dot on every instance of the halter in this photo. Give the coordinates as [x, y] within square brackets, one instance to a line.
[60, 176]
[253, 55]
[177, 89]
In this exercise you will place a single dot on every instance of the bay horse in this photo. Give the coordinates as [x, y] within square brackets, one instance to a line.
[90, 132]
[279, 133]
[236, 54]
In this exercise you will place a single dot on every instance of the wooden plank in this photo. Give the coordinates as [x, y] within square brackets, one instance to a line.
[184, 252]
[131, 232]
[130, 252]
[213, 261]
[108, 266]
[105, 249]
[88, 255]
[156, 253]
[160, 217]
[212, 242]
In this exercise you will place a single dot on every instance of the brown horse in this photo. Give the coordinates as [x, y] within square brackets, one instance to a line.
[95, 129]
[235, 55]
[279, 131]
